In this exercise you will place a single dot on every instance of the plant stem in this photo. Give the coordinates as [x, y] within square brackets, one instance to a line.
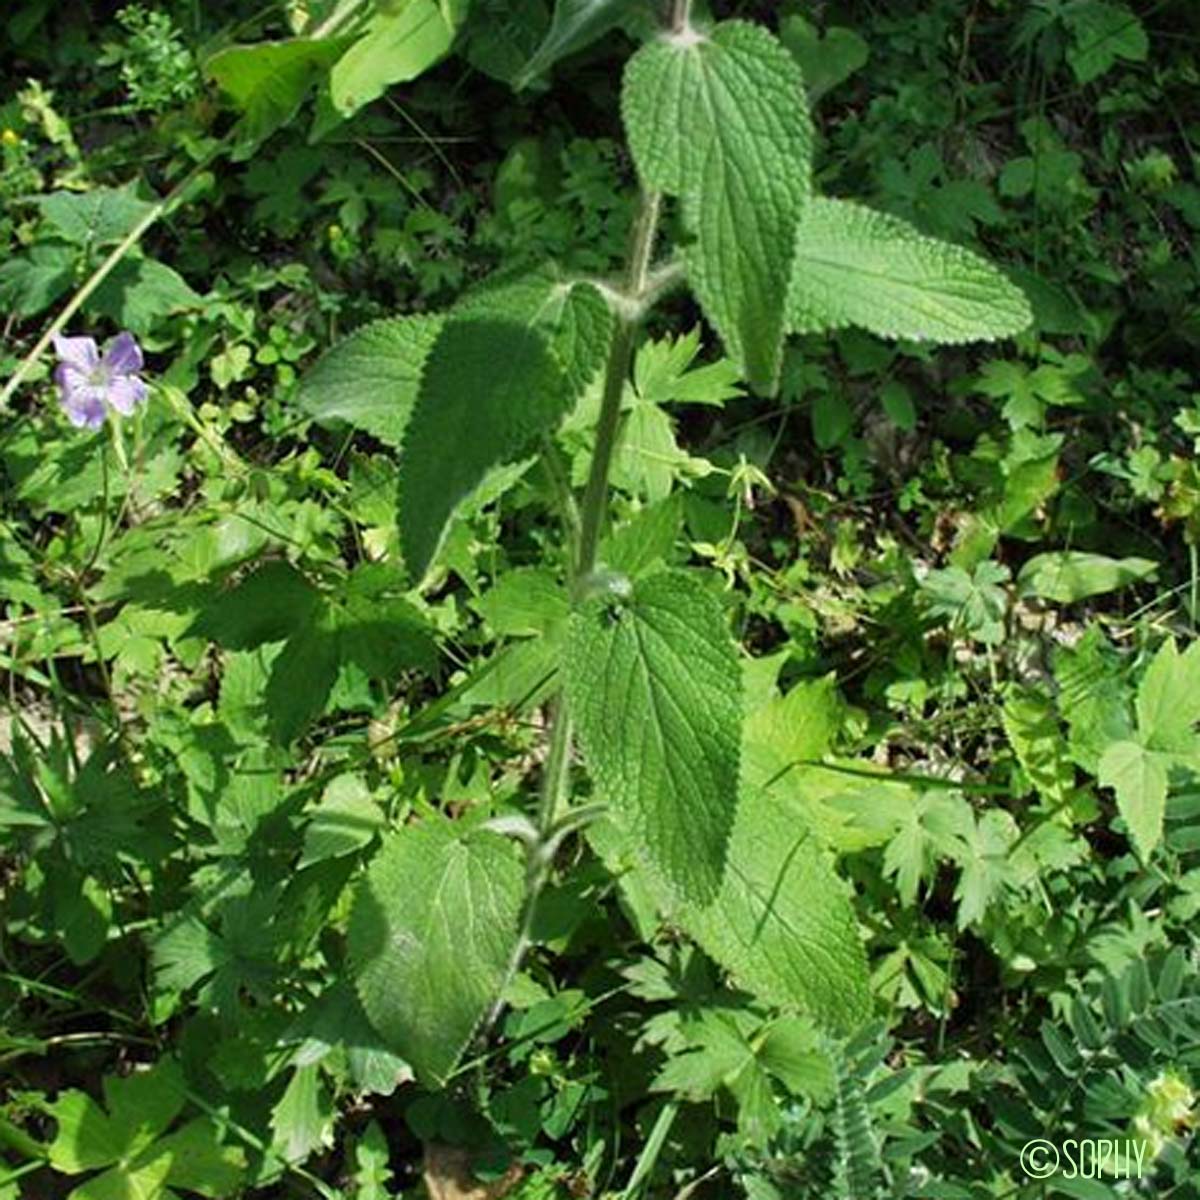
[101, 273]
[554, 777]
[681, 15]
[620, 357]
[556, 770]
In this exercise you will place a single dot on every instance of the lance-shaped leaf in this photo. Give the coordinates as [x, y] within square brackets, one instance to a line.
[401, 42]
[721, 121]
[654, 687]
[855, 266]
[490, 387]
[371, 378]
[431, 935]
[575, 24]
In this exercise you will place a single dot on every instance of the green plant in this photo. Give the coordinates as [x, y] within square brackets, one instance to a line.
[650, 684]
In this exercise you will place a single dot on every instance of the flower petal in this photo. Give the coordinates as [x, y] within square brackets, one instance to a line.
[125, 393]
[70, 379]
[124, 355]
[84, 406]
[78, 352]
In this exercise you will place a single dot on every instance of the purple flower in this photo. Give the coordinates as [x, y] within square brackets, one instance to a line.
[90, 382]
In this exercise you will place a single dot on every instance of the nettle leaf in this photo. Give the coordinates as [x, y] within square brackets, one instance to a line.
[431, 936]
[371, 379]
[721, 121]
[489, 388]
[401, 42]
[575, 24]
[855, 266]
[782, 923]
[653, 685]
[571, 313]
[268, 82]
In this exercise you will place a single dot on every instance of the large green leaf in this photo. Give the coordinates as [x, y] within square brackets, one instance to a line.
[269, 81]
[721, 121]
[855, 266]
[782, 923]
[371, 378]
[431, 935]
[490, 387]
[571, 313]
[654, 687]
[403, 40]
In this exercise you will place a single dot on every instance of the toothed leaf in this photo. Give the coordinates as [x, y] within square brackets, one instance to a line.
[653, 685]
[491, 385]
[721, 121]
[431, 934]
[371, 379]
[855, 266]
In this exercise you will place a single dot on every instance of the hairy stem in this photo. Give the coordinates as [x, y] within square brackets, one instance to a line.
[557, 768]
[681, 15]
[620, 357]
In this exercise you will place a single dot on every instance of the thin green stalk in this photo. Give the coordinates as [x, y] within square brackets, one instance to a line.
[556, 771]
[101, 273]
[681, 15]
[554, 779]
[620, 359]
